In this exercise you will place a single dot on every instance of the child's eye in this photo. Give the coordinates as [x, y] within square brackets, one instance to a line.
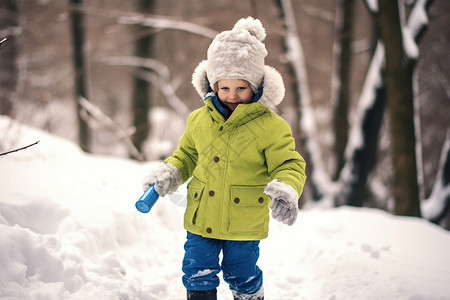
[242, 88]
[224, 88]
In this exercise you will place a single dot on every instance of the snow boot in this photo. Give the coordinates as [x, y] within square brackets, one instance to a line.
[259, 295]
[202, 295]
[249, 298]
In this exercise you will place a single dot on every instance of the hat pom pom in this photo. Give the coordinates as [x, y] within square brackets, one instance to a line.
[254, 26]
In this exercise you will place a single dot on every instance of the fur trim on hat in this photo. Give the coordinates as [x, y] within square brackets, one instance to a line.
[200, 80]
[273, 87]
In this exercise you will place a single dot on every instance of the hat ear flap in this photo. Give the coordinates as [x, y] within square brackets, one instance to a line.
[200, 80]
[273, 86]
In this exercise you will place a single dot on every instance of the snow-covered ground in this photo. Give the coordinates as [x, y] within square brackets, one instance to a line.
[69, 230]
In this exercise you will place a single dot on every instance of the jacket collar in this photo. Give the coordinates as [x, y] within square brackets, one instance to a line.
[241, 115]
[224, 110]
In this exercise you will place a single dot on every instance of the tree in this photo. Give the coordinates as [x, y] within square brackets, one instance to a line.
[344, 17]
[81, 70]
[386, 79]
[141, 88]
[361, 157]
[437, 207]
[9, 19]
[398, 77]
[320, 180]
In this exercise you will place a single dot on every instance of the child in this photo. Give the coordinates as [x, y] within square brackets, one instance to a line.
[242, 158]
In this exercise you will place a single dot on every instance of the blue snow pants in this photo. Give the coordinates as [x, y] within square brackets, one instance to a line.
[201, 264]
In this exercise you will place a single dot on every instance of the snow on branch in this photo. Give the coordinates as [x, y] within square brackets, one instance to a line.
[153, 21]
[372, 5]
[418, 18]
[417, 21]
[439, 199]
[436, 204]
[159, 22]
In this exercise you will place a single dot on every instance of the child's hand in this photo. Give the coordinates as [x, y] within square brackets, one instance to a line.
[284, 203]
[165, 177]
[284, 211]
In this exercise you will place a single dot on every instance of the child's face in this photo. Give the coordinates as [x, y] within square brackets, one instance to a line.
[233, 92]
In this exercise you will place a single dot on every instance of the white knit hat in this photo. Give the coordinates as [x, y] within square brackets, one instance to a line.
[239, 53]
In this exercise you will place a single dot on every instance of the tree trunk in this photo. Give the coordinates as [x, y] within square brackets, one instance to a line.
[81, 69]
[398, 77]
[141, 87]
[9, 22]
[319, 180]
[340, 120]
[364, 158]
[437, 207]
[363, 141]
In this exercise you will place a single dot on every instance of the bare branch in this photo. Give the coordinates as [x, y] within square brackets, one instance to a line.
[19, 149]
[167, 23]
[99, 116]
[133, 61]
[167, 89]
[152, 21]
[10, 32]
[161, 79]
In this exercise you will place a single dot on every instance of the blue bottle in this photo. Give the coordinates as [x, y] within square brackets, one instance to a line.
[147, 200]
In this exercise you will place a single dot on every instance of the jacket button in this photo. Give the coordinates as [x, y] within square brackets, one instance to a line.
[211, 193]
[208, 230]
[220, 128]
[236, 200]
[261, 200]
[195, 195]
[216, 159]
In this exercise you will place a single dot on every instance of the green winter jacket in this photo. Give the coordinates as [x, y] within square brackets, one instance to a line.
[231, 162]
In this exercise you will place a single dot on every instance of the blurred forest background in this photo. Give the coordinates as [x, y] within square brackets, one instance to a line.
[114, 76]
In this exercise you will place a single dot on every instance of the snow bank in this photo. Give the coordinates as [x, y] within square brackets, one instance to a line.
[69, 230]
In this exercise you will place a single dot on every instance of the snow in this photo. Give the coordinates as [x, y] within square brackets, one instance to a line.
[435, 204]
[69, 230]
[409, 44]
[372, 5]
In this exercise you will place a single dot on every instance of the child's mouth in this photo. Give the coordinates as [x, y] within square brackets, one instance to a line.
[233, 104]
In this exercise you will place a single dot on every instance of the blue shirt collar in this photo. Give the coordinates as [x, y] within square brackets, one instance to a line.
[225, 112]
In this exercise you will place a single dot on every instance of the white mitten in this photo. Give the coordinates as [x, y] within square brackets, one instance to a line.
[284, 203]
[165, 177]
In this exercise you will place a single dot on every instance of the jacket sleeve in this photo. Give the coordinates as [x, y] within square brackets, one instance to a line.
[185, 156]
[283, 161]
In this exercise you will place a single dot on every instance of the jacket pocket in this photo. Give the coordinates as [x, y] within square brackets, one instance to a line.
[249, 209]
[194, 195]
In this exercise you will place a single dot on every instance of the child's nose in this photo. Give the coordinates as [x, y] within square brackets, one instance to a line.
[233, 95]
